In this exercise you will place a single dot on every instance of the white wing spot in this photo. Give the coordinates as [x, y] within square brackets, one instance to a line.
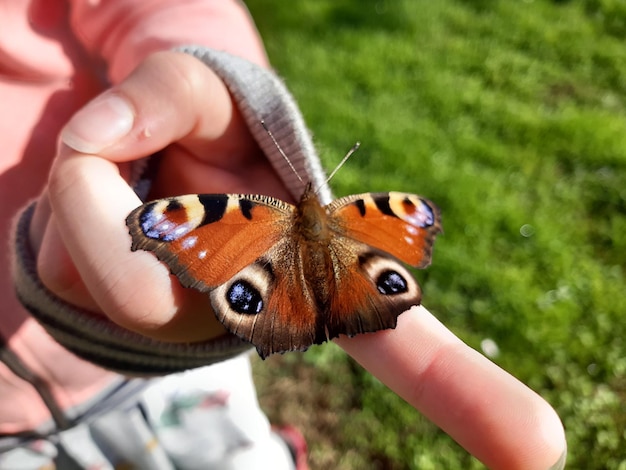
[190, 242]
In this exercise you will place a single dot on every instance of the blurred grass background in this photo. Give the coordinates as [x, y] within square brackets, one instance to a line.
[510, 115]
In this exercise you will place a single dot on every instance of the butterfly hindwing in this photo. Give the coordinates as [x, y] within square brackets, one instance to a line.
[270, 305]
[380, 287]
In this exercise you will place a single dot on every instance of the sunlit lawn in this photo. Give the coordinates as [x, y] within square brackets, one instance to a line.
[510, 115]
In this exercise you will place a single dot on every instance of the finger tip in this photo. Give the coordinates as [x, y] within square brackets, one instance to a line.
[513, 426]
[551, 443]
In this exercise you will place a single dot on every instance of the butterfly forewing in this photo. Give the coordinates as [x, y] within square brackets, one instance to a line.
[401, 224]
[207, 239]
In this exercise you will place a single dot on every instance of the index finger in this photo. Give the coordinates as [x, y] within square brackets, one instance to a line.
[490, 413]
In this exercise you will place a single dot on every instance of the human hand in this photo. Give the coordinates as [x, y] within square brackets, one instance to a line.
[78, 231]
[494, 416]
[84, 256]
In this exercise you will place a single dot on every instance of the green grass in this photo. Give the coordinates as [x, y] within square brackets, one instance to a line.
[511, 116]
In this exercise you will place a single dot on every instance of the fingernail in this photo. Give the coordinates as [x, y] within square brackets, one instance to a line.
[99, 124]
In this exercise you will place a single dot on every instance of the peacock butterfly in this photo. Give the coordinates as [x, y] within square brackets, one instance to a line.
[283, 276]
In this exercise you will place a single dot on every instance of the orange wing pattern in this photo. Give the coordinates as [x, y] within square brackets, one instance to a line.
[401, 224]
[184, 233]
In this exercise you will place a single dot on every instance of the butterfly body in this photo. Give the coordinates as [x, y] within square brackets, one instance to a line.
[286, 276]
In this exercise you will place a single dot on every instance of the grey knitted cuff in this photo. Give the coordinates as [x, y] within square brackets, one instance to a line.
[261, 96]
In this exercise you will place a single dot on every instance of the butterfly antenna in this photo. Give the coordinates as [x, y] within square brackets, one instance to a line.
[281, 150]
[354, 148]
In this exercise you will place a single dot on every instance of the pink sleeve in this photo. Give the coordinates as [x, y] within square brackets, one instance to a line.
[124, 32]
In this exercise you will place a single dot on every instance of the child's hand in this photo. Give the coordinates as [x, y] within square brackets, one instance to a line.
[171, 101]
[489, 412]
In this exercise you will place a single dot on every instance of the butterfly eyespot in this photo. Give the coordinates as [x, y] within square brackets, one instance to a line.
[168, 220]
[391, 283]
[243, 298]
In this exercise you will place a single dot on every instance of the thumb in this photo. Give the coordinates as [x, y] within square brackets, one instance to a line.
[170, 96]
